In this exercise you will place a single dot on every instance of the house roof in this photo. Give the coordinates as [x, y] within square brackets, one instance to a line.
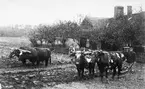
[97, 22]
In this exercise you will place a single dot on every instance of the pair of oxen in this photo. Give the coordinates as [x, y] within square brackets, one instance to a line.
[34, 55]
[105, 61]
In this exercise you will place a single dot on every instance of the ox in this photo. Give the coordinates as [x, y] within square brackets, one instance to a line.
[34, 55]
[109, 60]
[84, 60]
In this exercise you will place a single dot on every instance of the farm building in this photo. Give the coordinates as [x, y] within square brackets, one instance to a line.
[119, 21]
[98, 23]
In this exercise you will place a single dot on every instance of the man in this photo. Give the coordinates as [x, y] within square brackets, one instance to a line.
[131, 58]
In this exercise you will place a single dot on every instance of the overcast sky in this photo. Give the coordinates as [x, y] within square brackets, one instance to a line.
[35, 12]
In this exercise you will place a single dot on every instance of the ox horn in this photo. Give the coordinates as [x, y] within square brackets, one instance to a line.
[22, 50]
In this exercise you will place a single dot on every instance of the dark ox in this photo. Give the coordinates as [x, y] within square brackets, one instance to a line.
[84, 60]
[109, 60]
[34, 55]
[44, 54]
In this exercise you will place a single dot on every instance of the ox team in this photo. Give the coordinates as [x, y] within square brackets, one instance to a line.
[82, 58]
[105, 60]
[34, 55]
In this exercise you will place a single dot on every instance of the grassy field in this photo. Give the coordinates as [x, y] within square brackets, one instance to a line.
[14, 41]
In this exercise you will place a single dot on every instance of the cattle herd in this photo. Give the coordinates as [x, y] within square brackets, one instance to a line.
[82, 58]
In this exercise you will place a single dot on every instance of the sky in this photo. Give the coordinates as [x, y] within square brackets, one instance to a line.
[34, 12]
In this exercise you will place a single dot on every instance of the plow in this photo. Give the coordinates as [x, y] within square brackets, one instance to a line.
[127, 67]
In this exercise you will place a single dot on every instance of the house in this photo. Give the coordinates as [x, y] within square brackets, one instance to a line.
[94, 23]
[90, 23]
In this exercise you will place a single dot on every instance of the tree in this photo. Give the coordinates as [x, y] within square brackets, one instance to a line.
[48, 33]
[125, 31]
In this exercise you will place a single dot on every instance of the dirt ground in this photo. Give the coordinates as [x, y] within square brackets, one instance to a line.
[64, 76]
[131, 80]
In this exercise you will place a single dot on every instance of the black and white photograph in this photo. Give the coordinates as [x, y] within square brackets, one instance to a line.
[72, 44]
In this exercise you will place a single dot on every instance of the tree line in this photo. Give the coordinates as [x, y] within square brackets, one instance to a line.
[118, 32]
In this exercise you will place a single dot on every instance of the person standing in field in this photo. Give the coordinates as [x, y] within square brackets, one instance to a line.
[131, 58]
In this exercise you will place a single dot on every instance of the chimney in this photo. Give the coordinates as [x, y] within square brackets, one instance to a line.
[129, 11]
[118, 11]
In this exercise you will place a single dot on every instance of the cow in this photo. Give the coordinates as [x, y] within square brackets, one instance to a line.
[44, 54]
[30, 54]
[109, 60]
[17, 52]
[84, 60]
[117, 60]
[34, 55]
[103, 60]
[23, 54]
